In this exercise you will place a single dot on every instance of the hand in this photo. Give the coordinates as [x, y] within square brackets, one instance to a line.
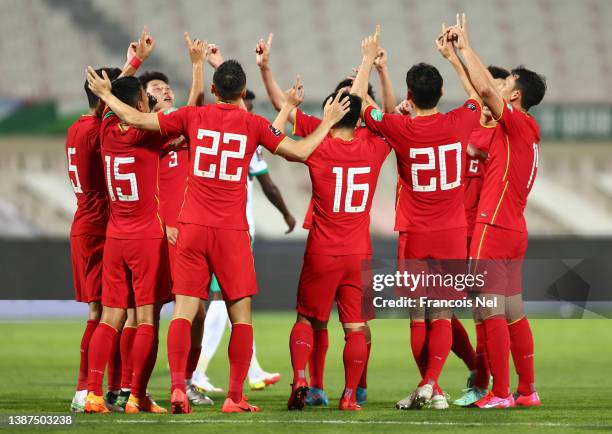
[101, 86]
[262, 51]
[290, 220]
[215, 59]
[405, 108]
[172, 234]
[380, 62]
[444, 45]
[197, 49]
[145, 44]
[335, 109]
[369, 46]
[458, 34]
[131, 51]
[474, 152]
[295, 95]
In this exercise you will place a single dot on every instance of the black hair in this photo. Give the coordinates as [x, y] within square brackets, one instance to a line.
[127, 90]
[229, 80]
[148, 76]
[531, 84]
[498, 72]
[348, 82]
[250, 95]
[352, 116]
[425, 83]
[92, 99]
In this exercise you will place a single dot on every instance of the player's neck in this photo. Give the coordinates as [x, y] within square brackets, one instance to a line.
[342, 133]
[517, 105]
[232, 102]
[418, 112]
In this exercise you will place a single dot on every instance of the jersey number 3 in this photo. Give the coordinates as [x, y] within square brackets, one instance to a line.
[213, 149]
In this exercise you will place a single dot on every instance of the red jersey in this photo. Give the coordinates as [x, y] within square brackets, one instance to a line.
[430, 154]
[86, 175]
[222, 139]
[480, 139]
[511, 170]
[344, 176]
[131, 161]
[173, 171]
[303, 125]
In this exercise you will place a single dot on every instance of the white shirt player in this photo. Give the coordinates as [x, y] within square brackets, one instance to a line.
[257, 166]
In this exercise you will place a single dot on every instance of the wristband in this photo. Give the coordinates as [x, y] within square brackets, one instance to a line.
[135, 62]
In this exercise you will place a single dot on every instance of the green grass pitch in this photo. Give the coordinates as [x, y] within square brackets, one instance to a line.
[38, 367]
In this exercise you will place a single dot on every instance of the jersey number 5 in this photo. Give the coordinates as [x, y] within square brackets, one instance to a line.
[118, 176]
[213, 149]
[76, 183]
[431, 165]
[350, 189]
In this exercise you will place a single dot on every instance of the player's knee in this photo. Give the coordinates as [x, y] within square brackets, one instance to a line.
[95, 311]
[114, 317]
[352, 327]
[186, 307]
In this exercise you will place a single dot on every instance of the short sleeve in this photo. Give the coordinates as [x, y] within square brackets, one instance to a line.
[511, 119]
[267, 136]
[467, 117]
[304, 124]
[382, 123]
[258, 165]
[174, 121]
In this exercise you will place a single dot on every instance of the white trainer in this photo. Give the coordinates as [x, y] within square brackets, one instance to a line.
[201, 381]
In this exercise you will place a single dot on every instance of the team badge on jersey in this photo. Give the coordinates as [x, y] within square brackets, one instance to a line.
[274, 130]
[377, 115]
[471, 106]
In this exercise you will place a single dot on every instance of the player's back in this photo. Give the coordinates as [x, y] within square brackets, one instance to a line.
[430, 154]
[86, 174]
[131, 162]
[222, 139]
[511, 170]
[344, 176]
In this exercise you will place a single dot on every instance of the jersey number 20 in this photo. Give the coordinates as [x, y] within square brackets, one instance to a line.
[431, 165]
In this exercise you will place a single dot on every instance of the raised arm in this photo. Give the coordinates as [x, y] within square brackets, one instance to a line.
[197, 54]
[388, 98]
[137, 53]
[300, 150]
[369, 51]
[292, 99]
[101, 86]
[446, 49]
[478, 74]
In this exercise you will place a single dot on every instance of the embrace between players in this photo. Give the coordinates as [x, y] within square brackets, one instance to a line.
[438, 212]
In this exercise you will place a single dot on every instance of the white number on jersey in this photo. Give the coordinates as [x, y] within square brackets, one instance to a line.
[534, 165]
[474, 166]
[173, 159]
[431, 165]
[350, 189]
[118, 176]
[213, 149]
[72, 168]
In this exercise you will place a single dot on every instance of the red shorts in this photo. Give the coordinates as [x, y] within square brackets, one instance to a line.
[136, 273]
[471, 197]
[498, 253]
[171, 258]
[87, 252]
[445, 244]
[203, 250]
[327, 278]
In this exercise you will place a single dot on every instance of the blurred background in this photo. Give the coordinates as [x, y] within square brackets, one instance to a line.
[45, 46]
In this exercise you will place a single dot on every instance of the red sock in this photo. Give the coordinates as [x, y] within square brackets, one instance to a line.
[354, 357]
[141, 357]
[98, 355]
[239, 351]
[192, 361]
[150, 365]
[316, 364]
[90, 328]
[498, 352]
[300, 345]
[521, 345]
[482, 363]
[113, 375]
[418, 339]
[363, 381]
[462, 346]
[439, 342]
[179, 342]
[127, 341]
